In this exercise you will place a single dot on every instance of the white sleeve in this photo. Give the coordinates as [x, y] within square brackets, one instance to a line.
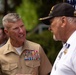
[74, 61]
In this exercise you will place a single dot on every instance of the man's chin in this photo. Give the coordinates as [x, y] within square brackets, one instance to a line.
[55, 38]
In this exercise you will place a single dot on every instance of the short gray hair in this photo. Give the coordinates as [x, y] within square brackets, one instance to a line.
[10, 17]
[71, 19]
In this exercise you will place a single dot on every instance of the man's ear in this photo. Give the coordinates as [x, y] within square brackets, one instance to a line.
[64, 21]
[6, 31]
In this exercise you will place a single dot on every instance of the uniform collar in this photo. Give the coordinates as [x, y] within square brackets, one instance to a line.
[9, 48]
[70, 41]
[66, 45]
[27, 45]
[72, 38]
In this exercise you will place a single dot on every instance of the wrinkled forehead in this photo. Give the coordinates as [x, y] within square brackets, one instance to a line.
[54, 19]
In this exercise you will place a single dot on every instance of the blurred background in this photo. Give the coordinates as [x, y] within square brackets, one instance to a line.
[30, 11]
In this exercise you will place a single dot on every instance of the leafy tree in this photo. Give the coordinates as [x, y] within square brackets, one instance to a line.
[27, 10]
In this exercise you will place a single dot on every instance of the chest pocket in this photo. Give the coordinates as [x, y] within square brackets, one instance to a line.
[32, 66]
[32, 63]
[9, 68]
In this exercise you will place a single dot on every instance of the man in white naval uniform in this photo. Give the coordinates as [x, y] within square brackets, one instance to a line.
[62, 21]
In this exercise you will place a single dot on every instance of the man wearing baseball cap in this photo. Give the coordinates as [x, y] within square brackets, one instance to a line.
[62, 23]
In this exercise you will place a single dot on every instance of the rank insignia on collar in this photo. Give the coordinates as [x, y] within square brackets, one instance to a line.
[31, 55]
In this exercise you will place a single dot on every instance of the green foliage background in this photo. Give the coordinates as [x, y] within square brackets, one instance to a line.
[27, 10]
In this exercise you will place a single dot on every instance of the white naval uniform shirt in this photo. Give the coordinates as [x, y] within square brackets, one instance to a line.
[65, 63]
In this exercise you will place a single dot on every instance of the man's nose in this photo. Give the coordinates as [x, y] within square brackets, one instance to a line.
[20, 29]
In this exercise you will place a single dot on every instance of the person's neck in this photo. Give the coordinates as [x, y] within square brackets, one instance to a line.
[16, 44]
[69, 34]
